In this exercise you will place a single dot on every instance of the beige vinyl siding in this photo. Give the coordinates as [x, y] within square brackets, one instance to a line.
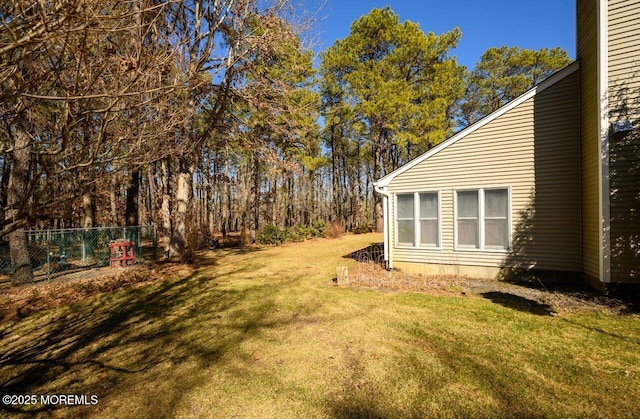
[587, 44]
[531, 149]
[624, 94]
[624, 57]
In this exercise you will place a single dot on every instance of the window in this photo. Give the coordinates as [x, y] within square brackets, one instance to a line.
[406, 220]
[429, 219]
[482, 219]
[468, 217]
[496, 219]
[418, 219]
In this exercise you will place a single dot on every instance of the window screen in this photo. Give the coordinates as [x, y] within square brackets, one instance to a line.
[405, 219]
[429, 219]
[417, 219]
[467, 222]
[496, 218]
[482, 219]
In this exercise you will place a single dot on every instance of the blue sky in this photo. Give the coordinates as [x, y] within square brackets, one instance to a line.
[484, 24]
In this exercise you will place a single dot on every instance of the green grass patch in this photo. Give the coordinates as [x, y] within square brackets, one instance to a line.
[264, 332]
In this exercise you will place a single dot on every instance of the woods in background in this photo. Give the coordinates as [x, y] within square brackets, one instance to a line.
[208, 117]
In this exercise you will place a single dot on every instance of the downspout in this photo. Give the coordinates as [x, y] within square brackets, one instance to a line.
[385, 220]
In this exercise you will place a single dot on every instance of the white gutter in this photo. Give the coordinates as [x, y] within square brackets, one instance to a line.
[385, 217]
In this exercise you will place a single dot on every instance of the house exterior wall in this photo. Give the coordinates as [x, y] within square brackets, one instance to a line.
[533, 150]
[623, 45]
[587, 53]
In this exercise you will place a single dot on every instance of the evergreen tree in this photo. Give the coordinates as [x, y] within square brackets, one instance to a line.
[505, 73]
[401, 84]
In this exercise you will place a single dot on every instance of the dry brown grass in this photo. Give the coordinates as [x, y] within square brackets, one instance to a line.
[25, 300]
[372, 275]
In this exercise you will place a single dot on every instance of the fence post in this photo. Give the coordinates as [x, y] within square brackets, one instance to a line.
[84, 248]
[48, 262]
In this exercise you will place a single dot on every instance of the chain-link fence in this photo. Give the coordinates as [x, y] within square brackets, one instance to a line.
[57, 251]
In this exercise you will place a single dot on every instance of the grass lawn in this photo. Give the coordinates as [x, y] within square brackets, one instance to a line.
[264, 332]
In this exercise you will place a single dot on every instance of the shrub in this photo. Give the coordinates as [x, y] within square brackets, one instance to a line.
[271, 234]
[334, 230]
[317, 228]
[295, 233]
[362, 229]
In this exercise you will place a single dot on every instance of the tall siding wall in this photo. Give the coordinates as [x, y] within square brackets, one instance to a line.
[624, 104]
[587, 52]
[533, 148]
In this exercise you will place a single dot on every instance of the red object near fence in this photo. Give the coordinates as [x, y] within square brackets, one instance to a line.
[122, 254]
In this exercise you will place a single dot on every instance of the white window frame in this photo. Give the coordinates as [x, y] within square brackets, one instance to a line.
[397, 219]
[481, 220]
[416, 221]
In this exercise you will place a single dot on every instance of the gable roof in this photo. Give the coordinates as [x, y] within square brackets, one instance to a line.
[549, 81]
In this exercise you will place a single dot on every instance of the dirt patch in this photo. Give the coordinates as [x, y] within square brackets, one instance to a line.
[539, 298]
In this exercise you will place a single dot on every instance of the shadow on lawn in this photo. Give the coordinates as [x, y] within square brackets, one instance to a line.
[169, 331]
[469, 380]
[439, 376]
[372, 253]
[359, 395]
[519, 303]
[210, 258]
[531, 306]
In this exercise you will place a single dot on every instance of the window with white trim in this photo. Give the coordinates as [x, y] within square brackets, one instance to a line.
[468, 220]
[429, 220]
[482, 219]
[406, 220]
[496, 219]
[418, 219]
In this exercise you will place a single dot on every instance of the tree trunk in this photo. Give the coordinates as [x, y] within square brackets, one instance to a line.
[4, 183]
[167, 226]
[377, 198]
[89, 207]
[132, 207]
[89, 238]
[16, 200]
[230, 216]
[290, 220]
[184, 192]
[20, 260]
[255, 199]
[151, 191]
[335, 198]
[246, 201]
[225, 211]
[274, 200]
[113, 198]
[344, 191]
